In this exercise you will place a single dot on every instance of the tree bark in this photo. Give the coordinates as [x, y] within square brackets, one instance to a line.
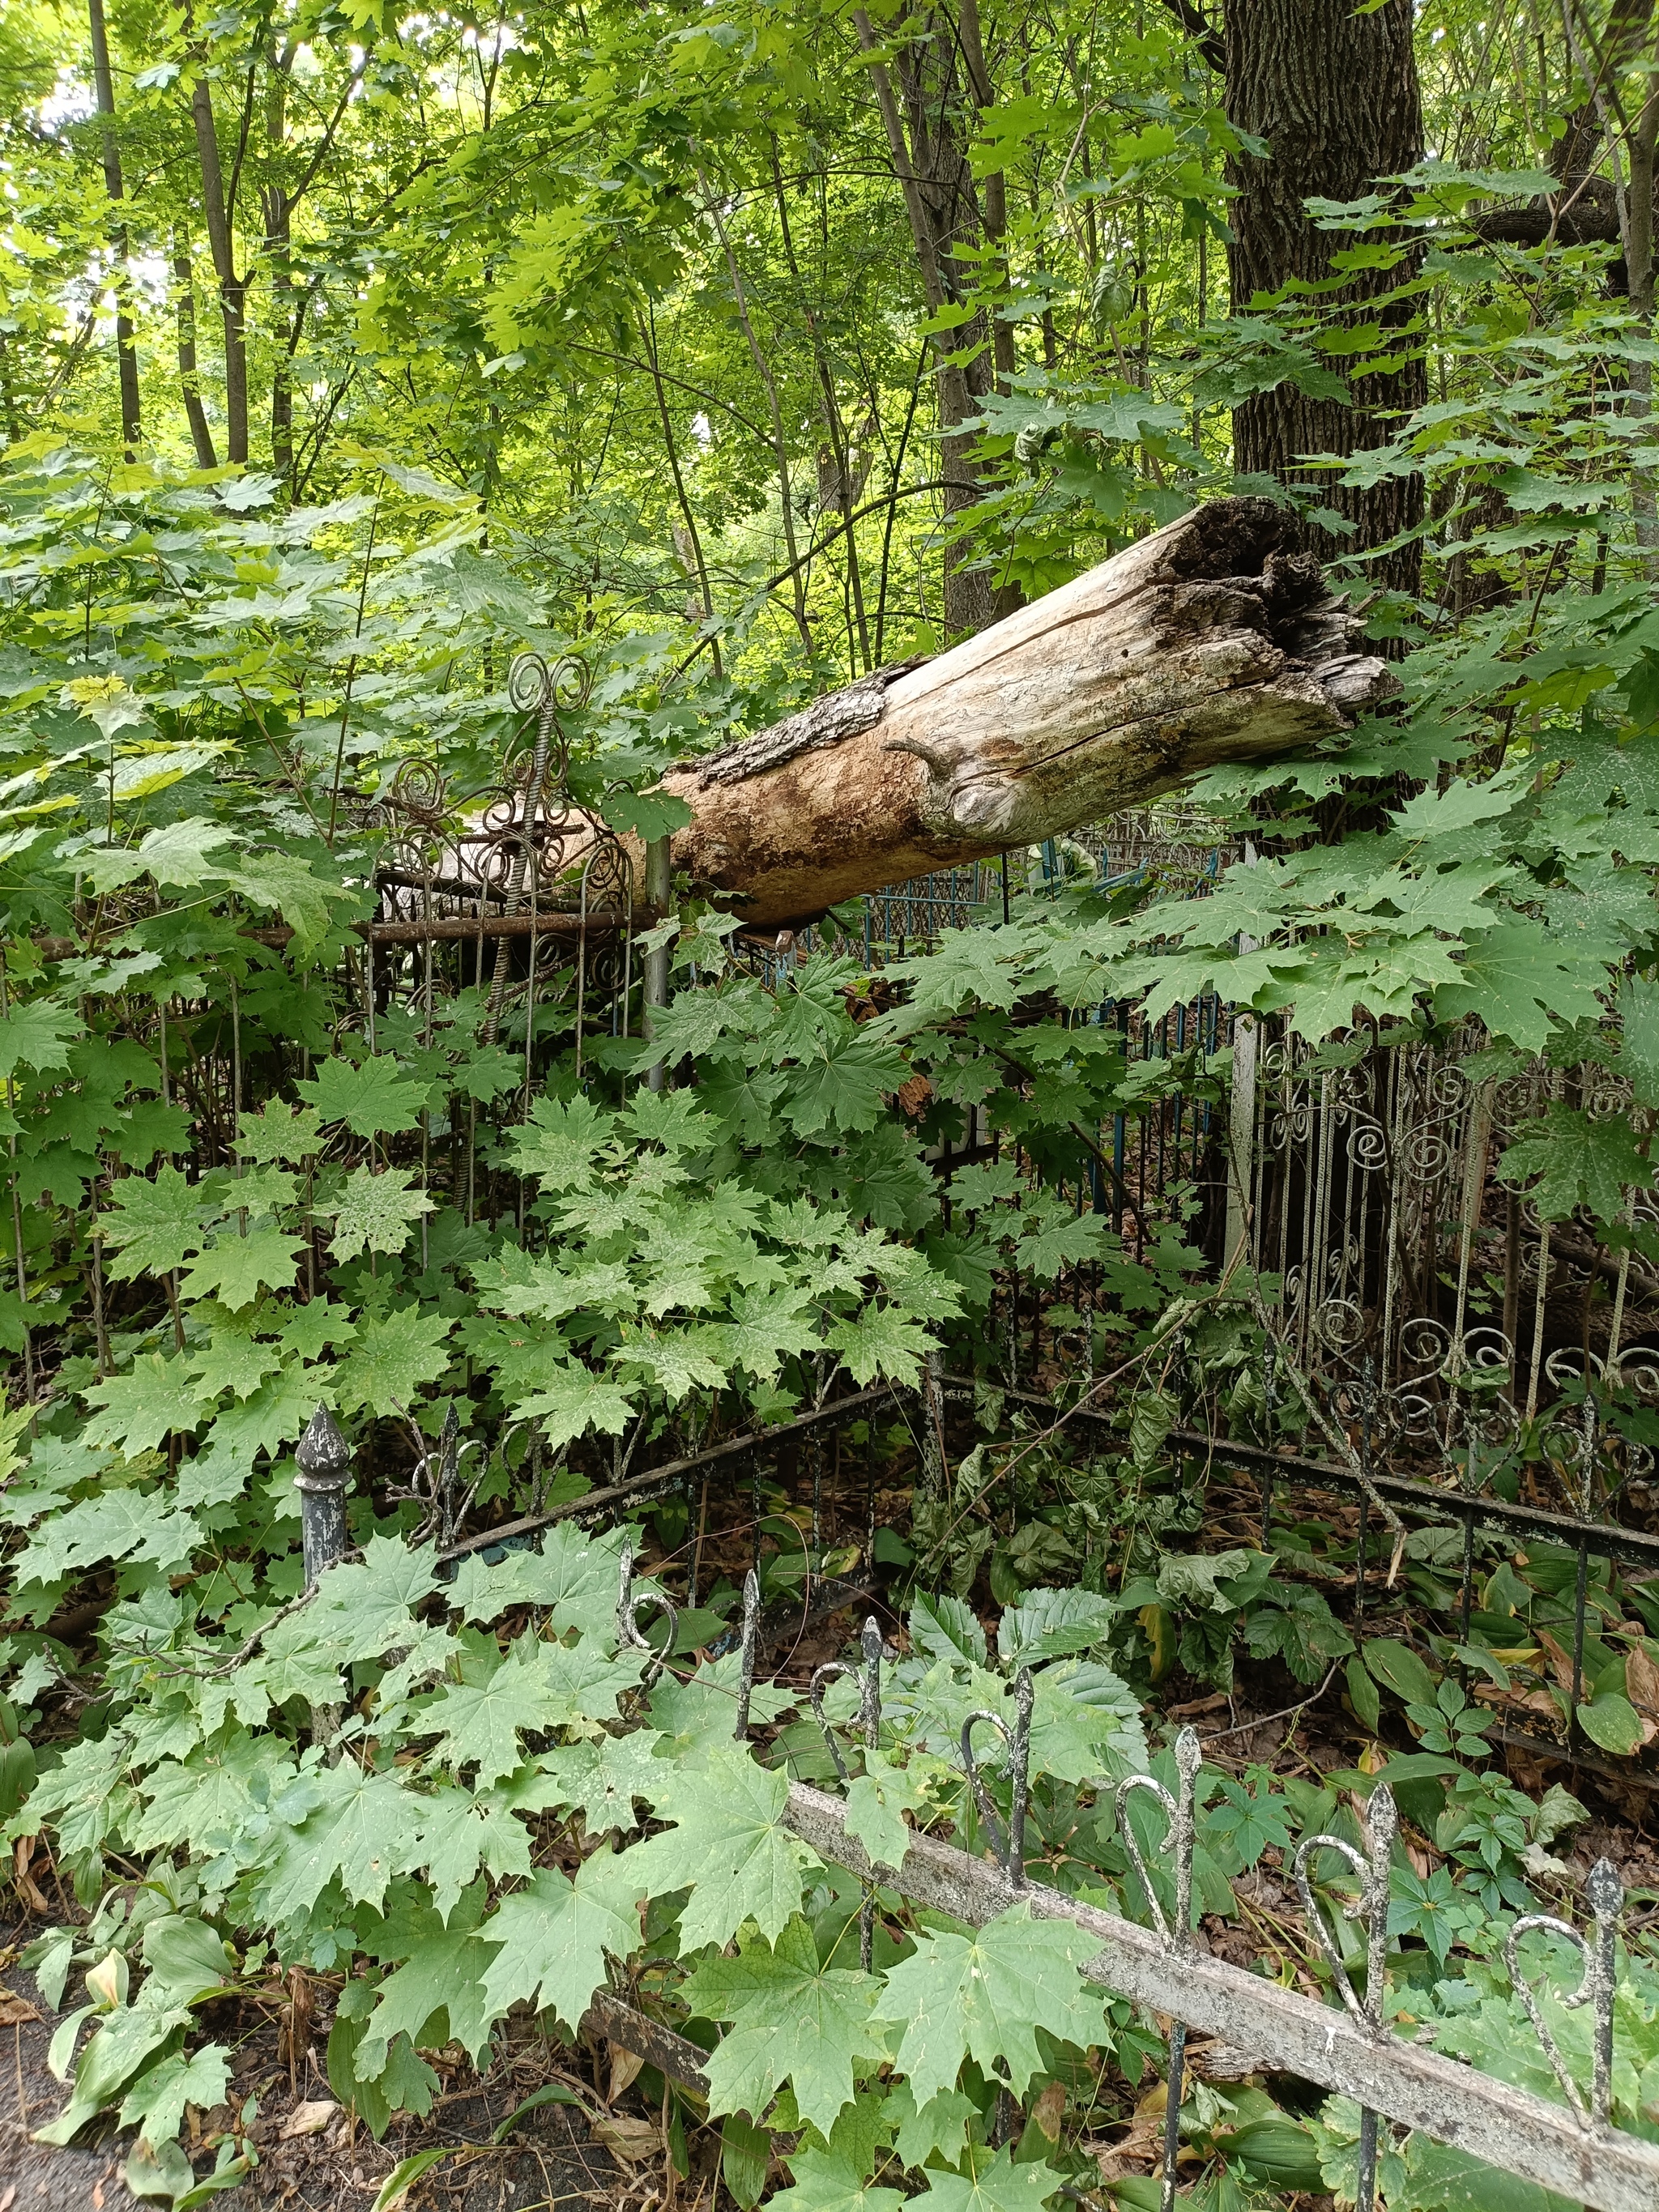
[189, 382]
[126, 352]
[232, 288]
[1334, 93]
[1202, 644]
[923, 101]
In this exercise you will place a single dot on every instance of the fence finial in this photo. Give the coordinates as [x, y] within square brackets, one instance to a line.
[324, 1459]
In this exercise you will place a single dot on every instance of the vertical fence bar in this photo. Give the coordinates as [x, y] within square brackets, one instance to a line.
[1180, 1810]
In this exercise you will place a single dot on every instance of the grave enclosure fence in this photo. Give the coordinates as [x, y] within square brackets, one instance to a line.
[1461, 1360]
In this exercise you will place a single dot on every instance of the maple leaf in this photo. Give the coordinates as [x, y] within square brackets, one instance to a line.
[37, 1033]
[458, 1833]
[370, 1600]
[233, 1360]
[603, 1776]
[678, 1361]
[118, 1524]
[573, 1576]
[478, 1723]
[1522, 982]
[979, 1996]
[154, 1222]
[272, 1416]
[362, 1827]
[844, 1089]
[991, 2184]
[792, 2021]
[572, 1401]
[1577, 1161]
[376, 1211]
[235, 1269]
[153, 1399]
[279, 1131]
[556, 1934]
[437, 1994]
[155, 2102]
[730, 1841]
[1065, 1241]
[829, 2181]
[877, 1801]
[765, 1328]
[559, 1142]
[880, 1340]
[279, 879]
[373, 1097]
[395, 1353]
[210, 1796]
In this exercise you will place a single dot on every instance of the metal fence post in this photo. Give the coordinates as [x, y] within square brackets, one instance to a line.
[324, 1459]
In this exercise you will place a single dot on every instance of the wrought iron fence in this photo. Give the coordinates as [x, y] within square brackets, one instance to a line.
[1347, 2048]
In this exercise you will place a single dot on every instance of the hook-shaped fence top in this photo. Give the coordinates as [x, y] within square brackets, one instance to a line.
[1604, 1893]
[1372, 1865]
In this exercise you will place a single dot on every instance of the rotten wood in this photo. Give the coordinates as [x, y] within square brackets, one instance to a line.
[1200, 645]
[612, 2018]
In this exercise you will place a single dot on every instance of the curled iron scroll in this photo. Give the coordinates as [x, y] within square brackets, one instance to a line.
[1596, 1986]
[868, 1678]
[1009, 1844]
[1179, 1812]
[629, 1601]
[1372, 1906]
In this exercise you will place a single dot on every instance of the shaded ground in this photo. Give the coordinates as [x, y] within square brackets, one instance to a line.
[314, 2158]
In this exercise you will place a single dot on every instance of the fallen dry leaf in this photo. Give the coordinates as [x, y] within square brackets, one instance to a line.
[13, 2008]
[625, 2068]
[626, 2138]
[310, 2118]
[1642, 1681]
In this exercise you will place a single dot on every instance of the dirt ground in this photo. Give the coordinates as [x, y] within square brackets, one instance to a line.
[314, 2159]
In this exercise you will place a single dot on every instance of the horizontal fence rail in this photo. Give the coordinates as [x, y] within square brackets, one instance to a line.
[1596, 2166]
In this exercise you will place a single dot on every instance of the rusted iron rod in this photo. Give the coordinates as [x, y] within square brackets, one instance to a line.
[718, 1459]
[465, 927]
[1596, 2166]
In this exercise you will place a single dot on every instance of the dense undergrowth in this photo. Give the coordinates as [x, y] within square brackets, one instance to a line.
[246, 1174]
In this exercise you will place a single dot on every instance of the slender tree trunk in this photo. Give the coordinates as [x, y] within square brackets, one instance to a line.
[232, 288]
[768, 385]
[126, 352]
[278, 211]
[921, 102]
[1334, 93]
[201, 437]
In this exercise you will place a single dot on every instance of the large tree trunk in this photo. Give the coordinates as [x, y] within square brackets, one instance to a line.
[1334, 93]
[1201, 644]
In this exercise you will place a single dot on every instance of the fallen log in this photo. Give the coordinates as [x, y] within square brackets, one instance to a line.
[1200, 645]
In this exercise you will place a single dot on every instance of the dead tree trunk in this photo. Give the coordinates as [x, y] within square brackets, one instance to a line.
[1200, 645]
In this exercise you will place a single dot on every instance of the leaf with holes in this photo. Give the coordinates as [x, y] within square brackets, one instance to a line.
[376, 1211]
